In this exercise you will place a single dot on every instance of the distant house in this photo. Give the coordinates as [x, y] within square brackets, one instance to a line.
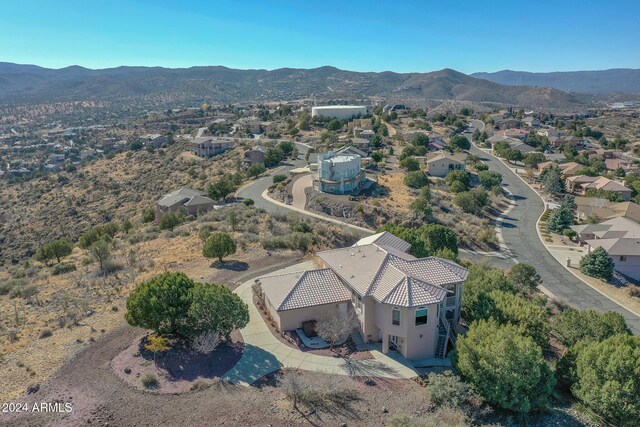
[155, 139]
[87, 154]
[620, 237]
[615, 164]
[193, 202]
[251, 124]
[254, 156]
[567, 169]
[208, 146]
[551, 132]
[513, 133]
[440, 163]
[367, 134]
[566, 141]
[580, 184]
[54, 158]
[604, 209]
[350, 150]
[340, 173]
[508, 123]
[362, 144]
[531, 122]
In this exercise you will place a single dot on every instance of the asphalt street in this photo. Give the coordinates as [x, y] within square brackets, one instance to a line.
[520, 236]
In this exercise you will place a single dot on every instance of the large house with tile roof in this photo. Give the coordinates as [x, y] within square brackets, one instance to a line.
[408, 304]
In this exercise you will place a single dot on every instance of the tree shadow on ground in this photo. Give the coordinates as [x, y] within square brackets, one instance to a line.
[231, 265]
[183, 363]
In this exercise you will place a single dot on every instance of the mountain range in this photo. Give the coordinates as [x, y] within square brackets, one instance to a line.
[618, 80]
[24, 84]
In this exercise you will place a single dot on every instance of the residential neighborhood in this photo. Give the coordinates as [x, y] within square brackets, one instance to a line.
[354, 214]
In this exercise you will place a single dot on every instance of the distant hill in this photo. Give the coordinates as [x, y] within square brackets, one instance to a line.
[30, 83]
[619, 80]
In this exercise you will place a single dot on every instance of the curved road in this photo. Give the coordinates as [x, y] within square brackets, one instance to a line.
[520, 235]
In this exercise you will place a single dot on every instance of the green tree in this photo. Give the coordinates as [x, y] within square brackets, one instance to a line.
[480, 282]
[529, 318]
[533, 159]
[219, 245]
[220, 189]
[525, 277]
[216, 308]
[460, 142]
[376, 156]
[286, 147]
[574, 325]
[458, 175]
[505, 368]
[162, 304]
[410, 164]
[416, 179]
[333, 125]
[597, 264]
[420, 139]
[471, 201]
[169, 221]
[570, 204]
[56, 249]
[552, 182]
[437, 237]
[608, 379]
[421, 206]
[256, 170]
[100, 250]
[156, 344]
[559, 220]
[409, 235]
[148, 215]
[490, 179]
[273, 157]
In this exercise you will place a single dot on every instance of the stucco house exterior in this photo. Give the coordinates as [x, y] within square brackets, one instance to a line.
[193, 202]
[581, 184]
[208, 146]
[620, 237]
[340, 173]
[408, 304]
[441, 163]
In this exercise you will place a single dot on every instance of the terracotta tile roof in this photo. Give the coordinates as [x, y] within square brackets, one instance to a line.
[392, 276]
[304, 289]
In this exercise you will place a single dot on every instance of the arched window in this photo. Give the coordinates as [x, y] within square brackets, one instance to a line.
[422, 314]
[395, 316]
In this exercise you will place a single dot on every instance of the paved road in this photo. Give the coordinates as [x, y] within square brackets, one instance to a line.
[521, 237]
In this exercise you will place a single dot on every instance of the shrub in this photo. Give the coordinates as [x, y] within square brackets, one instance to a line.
[169, 221]
[480, 282]
[256, 170]
[459, 142]
[63, 268]
[574, 325]
[148, 215]
[597, 264]
[447, 389]
[608, 378]
[277, 178]
[458, 175]
[489, 179]
[569, 233]
[633, 290]
[248, 202]
[45, 333]
[416, 179]
[149, 381]
[471, 201]
[508, 370]
[410, 164]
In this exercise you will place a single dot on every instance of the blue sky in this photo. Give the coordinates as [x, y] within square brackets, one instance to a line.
[401, 35]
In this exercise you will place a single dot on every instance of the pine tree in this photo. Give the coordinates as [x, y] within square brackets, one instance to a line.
[559, 220]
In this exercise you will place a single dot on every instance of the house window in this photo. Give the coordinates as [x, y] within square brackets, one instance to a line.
[421, 316]
[623, 257]
[395, 316]
[357, 301]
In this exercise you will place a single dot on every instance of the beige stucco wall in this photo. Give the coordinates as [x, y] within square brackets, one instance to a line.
[292, 319]
[440, 168]
[416, 342]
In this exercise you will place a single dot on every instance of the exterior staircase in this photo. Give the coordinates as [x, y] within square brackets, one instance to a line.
[445, 334]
